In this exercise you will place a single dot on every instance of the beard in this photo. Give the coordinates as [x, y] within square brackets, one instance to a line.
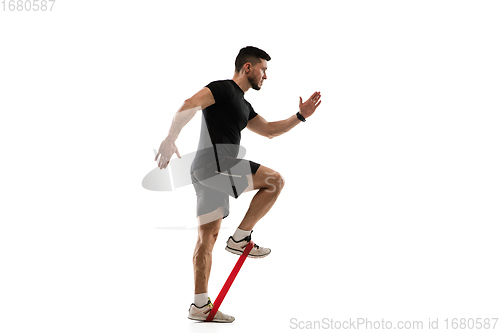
[254, 83]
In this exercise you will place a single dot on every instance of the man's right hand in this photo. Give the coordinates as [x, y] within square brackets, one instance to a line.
[167, 149]
[202, 99]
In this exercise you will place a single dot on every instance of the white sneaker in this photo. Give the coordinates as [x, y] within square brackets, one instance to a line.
[197, 313]
[237, 247]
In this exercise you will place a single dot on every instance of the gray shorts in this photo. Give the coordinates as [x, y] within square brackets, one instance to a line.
[216, 181]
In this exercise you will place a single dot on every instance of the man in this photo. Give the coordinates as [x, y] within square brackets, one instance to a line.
[216, 171]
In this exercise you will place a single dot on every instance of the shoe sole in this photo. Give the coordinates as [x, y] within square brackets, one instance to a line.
[213, 320]
[238, 252]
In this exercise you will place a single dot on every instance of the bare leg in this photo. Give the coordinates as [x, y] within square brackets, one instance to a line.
[202, 257]
[269, 183]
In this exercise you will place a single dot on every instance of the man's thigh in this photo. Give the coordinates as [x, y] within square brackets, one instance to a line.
[230, 175]
[264, 178]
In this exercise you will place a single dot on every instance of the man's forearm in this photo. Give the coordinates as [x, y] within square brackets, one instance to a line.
[181, 118]
[277, 128]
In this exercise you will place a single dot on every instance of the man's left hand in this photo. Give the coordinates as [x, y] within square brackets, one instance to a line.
[308, 107]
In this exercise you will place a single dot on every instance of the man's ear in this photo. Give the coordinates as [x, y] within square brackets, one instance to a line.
[248, 67]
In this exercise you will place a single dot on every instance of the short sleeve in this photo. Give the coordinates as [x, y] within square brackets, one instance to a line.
[221, 90]
[252, 114]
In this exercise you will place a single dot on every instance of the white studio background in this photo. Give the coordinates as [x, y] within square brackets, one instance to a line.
[391, 204]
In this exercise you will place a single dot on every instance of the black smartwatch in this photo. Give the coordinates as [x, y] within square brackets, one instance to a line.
[301, 118]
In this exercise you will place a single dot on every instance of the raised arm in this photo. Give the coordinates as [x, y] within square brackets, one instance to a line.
[199, 101]
[273, 129]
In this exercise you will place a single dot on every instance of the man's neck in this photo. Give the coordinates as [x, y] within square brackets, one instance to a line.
[242, 82]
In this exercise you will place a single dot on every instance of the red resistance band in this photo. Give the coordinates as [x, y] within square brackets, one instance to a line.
[229, 281]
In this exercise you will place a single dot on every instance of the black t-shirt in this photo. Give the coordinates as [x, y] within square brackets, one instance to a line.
[222, 123]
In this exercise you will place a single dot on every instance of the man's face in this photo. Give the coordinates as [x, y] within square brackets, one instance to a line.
[257, 74]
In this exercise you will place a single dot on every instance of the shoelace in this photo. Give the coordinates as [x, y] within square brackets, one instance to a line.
[211, 306]
[248, 239]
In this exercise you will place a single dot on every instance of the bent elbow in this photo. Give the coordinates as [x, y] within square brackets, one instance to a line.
[271, 131]
[189, 103]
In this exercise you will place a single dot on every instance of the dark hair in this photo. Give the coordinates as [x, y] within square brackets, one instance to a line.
[250, 54]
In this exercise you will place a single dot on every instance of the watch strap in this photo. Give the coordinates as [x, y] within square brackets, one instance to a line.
[301, 118]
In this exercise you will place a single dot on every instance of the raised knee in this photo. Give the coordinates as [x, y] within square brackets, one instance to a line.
[281, 181]
[275, 182]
